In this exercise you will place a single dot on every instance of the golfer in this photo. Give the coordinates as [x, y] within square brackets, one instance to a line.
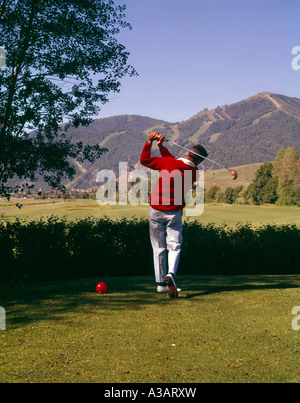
[166, 205]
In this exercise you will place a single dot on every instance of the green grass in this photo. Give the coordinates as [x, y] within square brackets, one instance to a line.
[221, 329]
[217, 214]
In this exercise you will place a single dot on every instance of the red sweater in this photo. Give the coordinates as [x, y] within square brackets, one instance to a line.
[176, 178]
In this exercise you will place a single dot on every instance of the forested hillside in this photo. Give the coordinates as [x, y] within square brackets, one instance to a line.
[247, 132]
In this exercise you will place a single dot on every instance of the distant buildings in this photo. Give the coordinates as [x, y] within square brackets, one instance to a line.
[56, 194]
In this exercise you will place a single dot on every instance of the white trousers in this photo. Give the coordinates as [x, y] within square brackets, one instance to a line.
[166, 239]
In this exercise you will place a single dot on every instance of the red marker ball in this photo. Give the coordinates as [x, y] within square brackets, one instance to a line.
[101, 288]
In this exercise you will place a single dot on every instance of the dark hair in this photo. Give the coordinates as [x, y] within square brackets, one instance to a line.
[199, 150]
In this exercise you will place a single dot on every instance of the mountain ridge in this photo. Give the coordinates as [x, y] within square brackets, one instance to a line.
[246, 132]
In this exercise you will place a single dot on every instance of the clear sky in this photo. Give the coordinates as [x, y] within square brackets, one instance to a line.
[195, 54]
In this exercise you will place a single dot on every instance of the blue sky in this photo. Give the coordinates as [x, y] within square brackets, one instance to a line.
[195, 54]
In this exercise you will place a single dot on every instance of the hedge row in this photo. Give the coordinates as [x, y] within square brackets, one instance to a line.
[53, 248]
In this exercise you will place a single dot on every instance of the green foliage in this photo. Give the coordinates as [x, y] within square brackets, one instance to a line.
[277, 182]
[264, 186]
[62, 62]
[297, 197]
[229, 196]
[54, 249]
[210, 195]
[287, 171]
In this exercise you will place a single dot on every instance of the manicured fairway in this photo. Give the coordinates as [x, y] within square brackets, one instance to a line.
[221, 329]
[217, 214]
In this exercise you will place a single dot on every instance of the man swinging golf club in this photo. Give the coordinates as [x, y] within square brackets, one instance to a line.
[165, 213]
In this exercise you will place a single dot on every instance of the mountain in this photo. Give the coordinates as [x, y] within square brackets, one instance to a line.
[247, 132]
[124, 137]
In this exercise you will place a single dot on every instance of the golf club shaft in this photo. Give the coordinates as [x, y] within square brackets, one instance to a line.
[199, 155]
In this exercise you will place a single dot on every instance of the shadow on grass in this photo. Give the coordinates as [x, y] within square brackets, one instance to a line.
[207, 285]
[31, 303]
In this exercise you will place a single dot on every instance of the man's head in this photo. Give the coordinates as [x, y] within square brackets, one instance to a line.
[195, 158]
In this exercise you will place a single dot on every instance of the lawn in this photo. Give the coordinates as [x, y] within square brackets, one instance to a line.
[213, 213]
[221, 329]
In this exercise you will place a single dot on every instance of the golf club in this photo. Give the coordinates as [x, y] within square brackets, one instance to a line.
[232, 171]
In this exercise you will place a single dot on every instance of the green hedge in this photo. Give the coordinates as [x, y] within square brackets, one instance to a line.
[52, 249]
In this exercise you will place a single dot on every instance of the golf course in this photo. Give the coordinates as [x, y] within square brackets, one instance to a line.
[224, 329]
[217, 214]
[220, 329]
[149, 194]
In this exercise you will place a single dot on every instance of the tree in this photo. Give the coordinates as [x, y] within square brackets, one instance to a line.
[287, 171]
[63, 60]
[236, 192]
[210, 194]
[229, 196]
[264, 187]
[297, 197]
[42, 195]
[219, 196]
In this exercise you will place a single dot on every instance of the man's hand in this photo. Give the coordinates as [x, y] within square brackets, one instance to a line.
[160, 140]
[153, 136]
[156, 136]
